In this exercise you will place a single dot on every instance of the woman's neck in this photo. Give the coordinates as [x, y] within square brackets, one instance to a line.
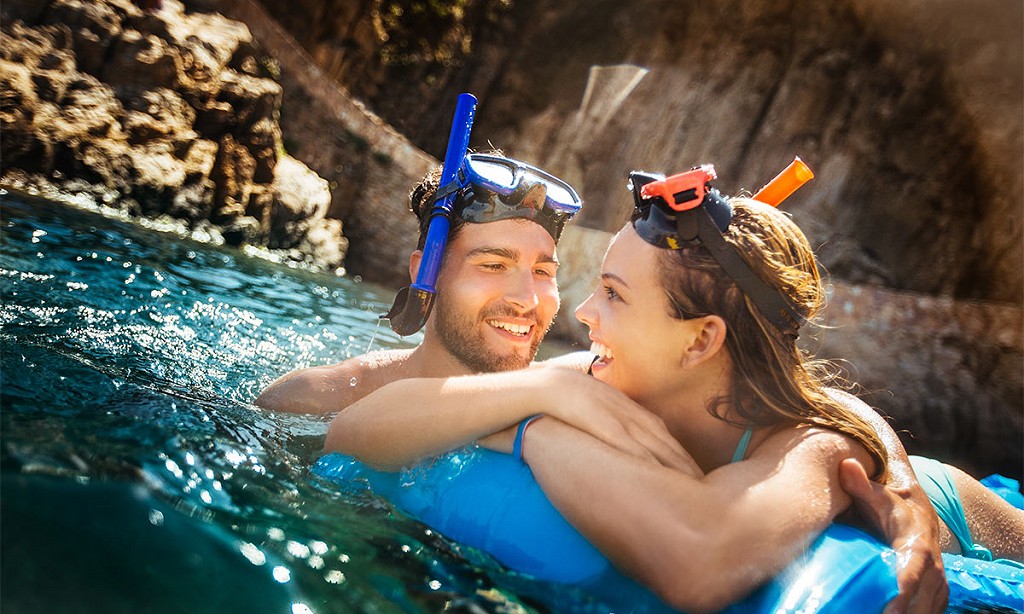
[685, 409]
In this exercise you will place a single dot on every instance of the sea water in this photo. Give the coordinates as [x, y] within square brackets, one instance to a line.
[135, 473]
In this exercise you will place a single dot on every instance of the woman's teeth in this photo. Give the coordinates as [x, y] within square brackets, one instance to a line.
[515, 329]
[601, 350]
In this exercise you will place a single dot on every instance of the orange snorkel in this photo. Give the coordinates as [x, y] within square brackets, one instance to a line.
[785, 183]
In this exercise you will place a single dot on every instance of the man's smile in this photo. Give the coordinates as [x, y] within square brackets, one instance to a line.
[517, 330]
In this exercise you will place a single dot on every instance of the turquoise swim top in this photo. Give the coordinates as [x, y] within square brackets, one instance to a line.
[938, 484]
[741, 448]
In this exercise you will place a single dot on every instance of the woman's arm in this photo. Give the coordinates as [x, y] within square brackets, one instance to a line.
[408, 420]
[724, 533]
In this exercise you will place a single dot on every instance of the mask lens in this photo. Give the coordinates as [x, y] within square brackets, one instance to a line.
[498, 175]
[560, 198]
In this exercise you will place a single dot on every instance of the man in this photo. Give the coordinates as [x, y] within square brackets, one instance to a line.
[499, 292]
[497, 297]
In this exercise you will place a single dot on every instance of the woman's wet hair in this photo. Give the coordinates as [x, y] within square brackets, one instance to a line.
[774, 381]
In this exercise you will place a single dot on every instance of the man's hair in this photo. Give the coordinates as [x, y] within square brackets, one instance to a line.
[421, 202]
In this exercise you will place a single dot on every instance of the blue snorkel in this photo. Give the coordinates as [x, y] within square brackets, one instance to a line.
[413, 303]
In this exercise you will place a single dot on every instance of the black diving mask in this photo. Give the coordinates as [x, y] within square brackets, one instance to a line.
[683, 210]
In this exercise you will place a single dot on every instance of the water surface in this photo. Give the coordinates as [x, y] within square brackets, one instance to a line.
[136, 476]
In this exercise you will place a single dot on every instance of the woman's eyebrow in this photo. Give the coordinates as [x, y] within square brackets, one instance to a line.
[615, 278]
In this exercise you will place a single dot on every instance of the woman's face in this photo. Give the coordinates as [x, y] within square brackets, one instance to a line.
[639, 345]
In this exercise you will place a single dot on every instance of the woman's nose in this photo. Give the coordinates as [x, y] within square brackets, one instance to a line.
[585, 311]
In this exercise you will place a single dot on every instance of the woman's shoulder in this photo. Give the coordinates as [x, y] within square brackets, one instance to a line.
[811, 442]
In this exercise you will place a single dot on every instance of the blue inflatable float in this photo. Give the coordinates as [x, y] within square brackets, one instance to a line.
[491, 501]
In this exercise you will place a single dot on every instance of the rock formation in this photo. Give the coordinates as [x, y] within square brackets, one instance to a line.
[162, 111]
[911, 113]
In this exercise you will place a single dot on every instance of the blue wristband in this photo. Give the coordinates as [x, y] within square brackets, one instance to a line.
[517, 446]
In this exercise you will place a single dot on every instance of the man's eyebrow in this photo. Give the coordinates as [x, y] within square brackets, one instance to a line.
[501, 252]
[615, 278]
[508, 253]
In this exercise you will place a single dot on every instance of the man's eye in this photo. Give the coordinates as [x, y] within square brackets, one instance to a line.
[493, 266]
[544, 272]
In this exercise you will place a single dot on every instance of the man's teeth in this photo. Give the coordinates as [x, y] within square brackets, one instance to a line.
[515, 329]
[601, 350]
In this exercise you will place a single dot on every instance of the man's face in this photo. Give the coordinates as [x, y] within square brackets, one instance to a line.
[497, 294]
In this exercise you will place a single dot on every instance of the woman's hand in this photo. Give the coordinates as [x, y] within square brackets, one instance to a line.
[611, 417]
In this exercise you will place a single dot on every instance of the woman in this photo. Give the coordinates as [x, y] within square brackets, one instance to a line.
[696, 320]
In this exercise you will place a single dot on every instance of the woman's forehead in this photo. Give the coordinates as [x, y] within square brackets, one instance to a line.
[631, 258]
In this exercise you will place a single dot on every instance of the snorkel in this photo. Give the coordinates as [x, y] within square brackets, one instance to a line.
[785, 183]
[413, 303]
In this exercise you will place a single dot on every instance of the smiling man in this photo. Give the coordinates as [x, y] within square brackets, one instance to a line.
[497, 293]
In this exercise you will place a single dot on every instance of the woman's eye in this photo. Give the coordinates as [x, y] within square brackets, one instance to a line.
[610, 293]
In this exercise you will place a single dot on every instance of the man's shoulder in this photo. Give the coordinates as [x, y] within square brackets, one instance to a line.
[375, 368]
[331, 388]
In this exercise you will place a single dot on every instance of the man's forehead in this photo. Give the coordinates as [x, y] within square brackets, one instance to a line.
[507, 238]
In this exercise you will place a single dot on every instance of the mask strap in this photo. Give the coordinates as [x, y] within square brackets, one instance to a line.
[770, 302]
[451, 187]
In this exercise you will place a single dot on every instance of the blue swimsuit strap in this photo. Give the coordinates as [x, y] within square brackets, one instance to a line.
[741, 448]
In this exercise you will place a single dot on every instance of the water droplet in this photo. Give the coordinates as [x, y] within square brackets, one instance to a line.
[254, 554]
[156, 518]
[352, 382]
[334, 576]
[282, 574]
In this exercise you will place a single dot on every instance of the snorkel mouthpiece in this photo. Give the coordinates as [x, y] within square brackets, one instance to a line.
[413, 303]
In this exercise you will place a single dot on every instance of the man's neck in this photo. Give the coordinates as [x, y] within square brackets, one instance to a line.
[431, 359]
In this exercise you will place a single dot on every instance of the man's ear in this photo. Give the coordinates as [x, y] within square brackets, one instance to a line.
[706, 340]
[414, 264]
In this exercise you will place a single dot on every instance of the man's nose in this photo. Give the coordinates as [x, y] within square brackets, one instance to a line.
[522, 291]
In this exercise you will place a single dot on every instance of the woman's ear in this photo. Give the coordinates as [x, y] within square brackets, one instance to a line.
[414, 264]
[708, 337]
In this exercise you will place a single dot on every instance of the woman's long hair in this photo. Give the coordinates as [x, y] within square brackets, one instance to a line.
[773, 381]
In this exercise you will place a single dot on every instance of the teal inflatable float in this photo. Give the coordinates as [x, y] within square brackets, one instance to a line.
[491, 501]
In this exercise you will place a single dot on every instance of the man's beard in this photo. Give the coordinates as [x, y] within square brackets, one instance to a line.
[460, 335]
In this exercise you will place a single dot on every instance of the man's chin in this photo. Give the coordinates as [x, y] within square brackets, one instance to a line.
[511, 361]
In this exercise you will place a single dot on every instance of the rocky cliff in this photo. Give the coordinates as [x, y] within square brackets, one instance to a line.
[161, 111]
[910, 113]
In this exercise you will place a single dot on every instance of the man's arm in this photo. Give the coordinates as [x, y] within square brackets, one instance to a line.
[315, 390]
[901, 510]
